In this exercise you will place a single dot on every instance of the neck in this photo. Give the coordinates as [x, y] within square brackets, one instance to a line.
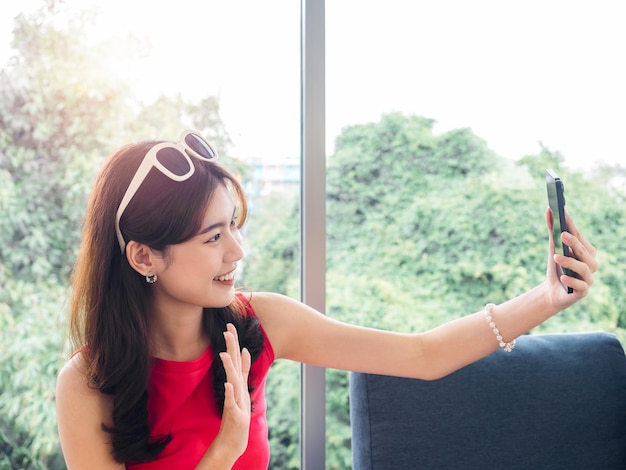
[178, 337]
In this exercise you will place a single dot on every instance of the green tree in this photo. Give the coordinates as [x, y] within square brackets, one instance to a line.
[51, 132]
[273, 246]
[62, 111]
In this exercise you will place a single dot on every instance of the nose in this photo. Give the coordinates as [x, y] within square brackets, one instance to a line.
[235, 250]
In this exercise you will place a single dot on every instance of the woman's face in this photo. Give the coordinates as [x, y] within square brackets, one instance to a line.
[201, 271]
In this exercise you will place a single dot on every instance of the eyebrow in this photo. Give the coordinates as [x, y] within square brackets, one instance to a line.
[211, 227]
[216, 225]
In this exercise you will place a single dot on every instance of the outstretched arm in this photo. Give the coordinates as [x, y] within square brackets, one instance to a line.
[299, 333]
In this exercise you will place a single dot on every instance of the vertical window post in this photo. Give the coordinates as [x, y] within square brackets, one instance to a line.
[313, 222]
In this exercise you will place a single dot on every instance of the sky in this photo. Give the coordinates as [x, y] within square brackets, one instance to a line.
[518, 73]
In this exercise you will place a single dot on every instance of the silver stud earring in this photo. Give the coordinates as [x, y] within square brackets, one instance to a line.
[151, 278]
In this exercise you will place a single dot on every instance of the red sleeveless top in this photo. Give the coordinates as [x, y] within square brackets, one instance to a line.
[180, 402]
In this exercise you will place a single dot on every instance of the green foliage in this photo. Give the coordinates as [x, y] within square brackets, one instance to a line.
[62, 111]
[30, 356]
[283, 400]
[272, 259]
[271, 264]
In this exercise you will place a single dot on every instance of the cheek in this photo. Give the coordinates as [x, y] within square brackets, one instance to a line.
[195, 261]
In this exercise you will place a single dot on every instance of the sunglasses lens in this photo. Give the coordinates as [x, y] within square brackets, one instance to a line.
[173, 160]
[199, 145]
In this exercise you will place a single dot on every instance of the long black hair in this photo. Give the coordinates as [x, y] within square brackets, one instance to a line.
[109, 306]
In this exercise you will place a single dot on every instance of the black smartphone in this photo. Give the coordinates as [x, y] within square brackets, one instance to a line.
[556, 199]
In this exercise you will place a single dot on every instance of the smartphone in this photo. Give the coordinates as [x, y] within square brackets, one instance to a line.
[556, 199]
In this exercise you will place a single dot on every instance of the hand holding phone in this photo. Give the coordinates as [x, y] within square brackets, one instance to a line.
[556, 200]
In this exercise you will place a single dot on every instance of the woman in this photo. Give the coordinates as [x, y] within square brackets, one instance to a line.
[171, 363]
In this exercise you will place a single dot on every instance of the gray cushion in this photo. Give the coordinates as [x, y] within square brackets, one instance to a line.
[555, 402]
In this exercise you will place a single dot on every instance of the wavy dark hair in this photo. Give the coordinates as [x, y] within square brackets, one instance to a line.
[109, 306]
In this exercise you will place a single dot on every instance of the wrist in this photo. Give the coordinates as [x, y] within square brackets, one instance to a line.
[219, 455]
[550, 301]
[521, 314]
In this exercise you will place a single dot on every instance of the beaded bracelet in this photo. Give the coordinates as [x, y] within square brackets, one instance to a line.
[508, 347]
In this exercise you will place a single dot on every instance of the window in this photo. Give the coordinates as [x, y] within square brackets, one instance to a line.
[290, 76]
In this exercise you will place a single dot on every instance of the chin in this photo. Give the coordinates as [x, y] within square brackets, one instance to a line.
[221, 302]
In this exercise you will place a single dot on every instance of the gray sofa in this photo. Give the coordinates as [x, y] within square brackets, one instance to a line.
[555, 402]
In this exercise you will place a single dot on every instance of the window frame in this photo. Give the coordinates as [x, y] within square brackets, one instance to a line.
[313, 222]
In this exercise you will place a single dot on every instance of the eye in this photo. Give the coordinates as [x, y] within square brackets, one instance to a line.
[235, 220]
[214, 238]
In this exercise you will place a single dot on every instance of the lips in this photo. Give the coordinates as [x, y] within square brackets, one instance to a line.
[226, 277]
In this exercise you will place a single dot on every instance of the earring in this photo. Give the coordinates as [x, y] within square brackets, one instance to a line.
[151, 278]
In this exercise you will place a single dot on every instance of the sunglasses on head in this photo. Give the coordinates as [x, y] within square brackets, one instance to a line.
[171, 159]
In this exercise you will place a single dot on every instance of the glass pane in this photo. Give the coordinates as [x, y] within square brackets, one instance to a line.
[122, 72]
[431, 106]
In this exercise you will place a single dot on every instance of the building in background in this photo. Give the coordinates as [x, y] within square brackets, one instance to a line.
[271, 176]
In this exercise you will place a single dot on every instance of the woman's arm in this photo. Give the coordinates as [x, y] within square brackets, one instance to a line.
[80, 412]
[299, 333]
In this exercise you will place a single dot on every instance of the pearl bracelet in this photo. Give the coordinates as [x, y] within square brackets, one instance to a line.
[508, 347]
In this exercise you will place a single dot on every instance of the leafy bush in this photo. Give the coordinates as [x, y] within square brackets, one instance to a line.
[31, 342]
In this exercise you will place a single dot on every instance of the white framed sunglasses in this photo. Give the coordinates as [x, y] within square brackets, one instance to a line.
[171, 159]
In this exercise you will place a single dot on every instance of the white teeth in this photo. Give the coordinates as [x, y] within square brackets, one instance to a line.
[227, 277]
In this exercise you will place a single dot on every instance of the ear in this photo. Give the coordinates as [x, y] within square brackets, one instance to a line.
[140, 257]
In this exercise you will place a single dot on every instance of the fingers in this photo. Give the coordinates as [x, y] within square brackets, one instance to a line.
[237, 366]
[246, 363]
[235, 426]
[583, 263]
[583, 260]
[581, 247]
[549, 218]
[236, 395]
[550, 223]
[232, 345]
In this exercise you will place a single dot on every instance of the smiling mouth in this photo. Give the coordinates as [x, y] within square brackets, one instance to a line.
[226, 277]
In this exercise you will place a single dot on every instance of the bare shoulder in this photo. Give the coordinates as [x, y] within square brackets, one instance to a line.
[81, 410]
[288, 322]
[270, 306]
[73, 384]
[264, 302]
[73, 372]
